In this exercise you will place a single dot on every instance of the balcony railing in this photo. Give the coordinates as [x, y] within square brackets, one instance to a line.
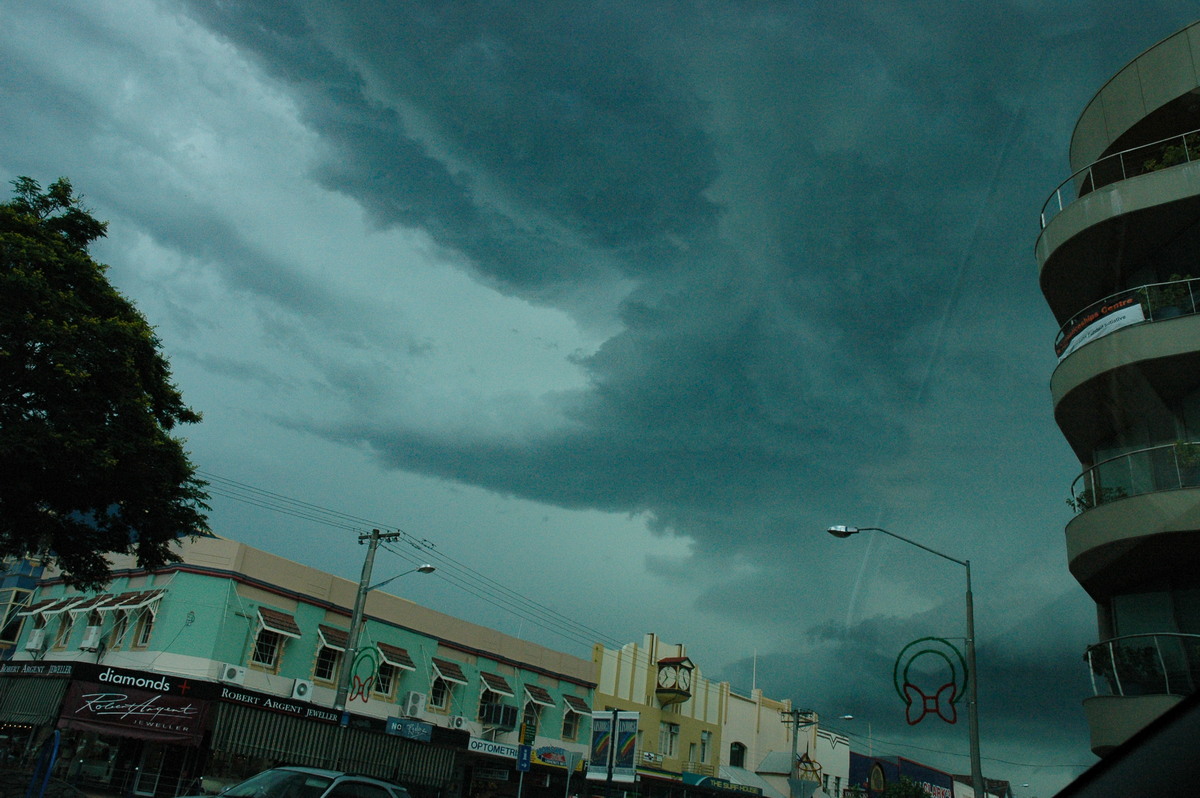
[1153, 302]
[1169, 467]
[1145, 664]
[1121, 166]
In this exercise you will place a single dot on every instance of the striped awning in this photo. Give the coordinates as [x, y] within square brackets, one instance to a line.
[279, 622]
[576, 704]
[31, 700]
[396, 657]
[497, 684]
[253, 732]
[449, 671]
[538, 695]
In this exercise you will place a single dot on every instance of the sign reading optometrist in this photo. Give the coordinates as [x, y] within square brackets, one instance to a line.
[614, 743]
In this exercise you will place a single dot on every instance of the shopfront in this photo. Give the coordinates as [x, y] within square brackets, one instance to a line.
[135, 733]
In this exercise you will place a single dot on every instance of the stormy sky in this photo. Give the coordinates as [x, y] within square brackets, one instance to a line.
[618, 305]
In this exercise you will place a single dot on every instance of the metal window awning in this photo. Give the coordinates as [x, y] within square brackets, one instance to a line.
[496, 684]
[332, 637]
[279, 622]
[86, 606]
[37, 607]
[449, 671]
[538, 695]
[577, 704]
[396, 657]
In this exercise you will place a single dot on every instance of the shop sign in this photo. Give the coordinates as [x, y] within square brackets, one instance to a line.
[712, 782]
[273, 703]
[481, 746]
[490, 774]
[409, 728]
[35, 669]
[144, 710]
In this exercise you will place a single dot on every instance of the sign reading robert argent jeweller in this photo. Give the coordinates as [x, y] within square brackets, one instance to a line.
[149, 706]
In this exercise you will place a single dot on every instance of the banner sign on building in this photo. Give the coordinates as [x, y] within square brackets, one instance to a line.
[135, 707]
[712, 782]
[410, 729]
[614, 744]
[1100, 322]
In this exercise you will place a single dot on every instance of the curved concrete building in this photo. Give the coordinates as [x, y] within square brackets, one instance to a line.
[1119, 263]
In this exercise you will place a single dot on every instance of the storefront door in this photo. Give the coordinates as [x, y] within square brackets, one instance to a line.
[150, 769]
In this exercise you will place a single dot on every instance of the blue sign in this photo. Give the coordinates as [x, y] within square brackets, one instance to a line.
[524, 757]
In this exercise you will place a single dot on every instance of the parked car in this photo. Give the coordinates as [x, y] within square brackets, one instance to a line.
[301, 782]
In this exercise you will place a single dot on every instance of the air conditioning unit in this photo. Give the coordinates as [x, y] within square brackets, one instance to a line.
[36, 640]
[91, 639]
[233, 674]
[414, 704]
[302, 689]
[458, 722]
[500, 716]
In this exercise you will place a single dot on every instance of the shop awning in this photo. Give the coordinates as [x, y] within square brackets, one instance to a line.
[37, 607]
[396, 657]
[538, 695]
[577, 704]
[86, 606]
[496, 684]
[35, 701]
[449, 671]
[332, 637]
[279, 622]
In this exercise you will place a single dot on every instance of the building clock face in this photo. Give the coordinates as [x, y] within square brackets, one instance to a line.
[685, 679]
[666, 677]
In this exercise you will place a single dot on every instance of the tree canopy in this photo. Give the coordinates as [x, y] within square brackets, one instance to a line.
[88, 465]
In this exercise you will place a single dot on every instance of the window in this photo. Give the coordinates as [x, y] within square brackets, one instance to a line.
[385, 679]
[267, 646]
[145, 625]
[531, 716]
[737, 755]
[668, 739]
[328, 660]
[439, 693]
[12, 602]
[63, 633]
[705, 745]
[570, 727]
[120, 625]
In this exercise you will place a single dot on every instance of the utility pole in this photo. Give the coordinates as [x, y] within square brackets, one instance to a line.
[360, 599]
[798, 718]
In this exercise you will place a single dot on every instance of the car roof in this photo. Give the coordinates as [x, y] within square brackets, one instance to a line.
[333, 774]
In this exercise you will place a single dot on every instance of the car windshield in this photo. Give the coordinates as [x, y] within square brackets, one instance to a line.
[280, 784]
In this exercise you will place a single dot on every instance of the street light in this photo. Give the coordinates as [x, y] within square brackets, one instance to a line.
[870, 736]
[842, 531]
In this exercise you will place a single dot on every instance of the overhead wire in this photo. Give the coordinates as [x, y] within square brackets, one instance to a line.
[459, 574]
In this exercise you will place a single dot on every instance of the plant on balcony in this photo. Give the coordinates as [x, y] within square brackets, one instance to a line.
[1136, 670]
[1086, 499]
[1172, 298]
[1182, 151]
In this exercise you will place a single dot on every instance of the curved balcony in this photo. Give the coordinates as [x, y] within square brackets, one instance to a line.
[1123, 165]
[1152, 302]
[1173, 466]
[1164, 663]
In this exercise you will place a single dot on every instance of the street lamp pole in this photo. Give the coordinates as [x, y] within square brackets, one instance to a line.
[841, 531]
[356, 622]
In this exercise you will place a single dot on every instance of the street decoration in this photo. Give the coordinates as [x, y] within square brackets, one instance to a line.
[363, 673]
[931, 697]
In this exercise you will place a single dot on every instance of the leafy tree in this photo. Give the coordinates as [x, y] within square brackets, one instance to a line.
[87, 462]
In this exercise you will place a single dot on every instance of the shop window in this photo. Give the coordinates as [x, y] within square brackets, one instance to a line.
[737, 755]
[385, 679]
[145, 626]
[439, 693]
[668, 739]
[328, 661]
[268, 646]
